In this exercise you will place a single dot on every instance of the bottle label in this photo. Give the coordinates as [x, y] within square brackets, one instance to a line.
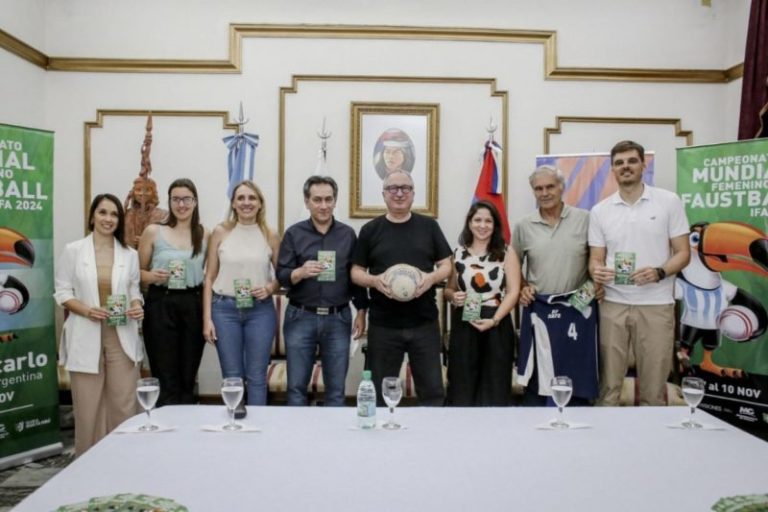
[366, 410]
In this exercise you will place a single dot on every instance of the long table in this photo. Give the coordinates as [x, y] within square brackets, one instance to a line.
[448, 459]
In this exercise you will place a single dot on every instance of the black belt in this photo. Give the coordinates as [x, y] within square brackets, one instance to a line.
[163, 290]
[320, 310]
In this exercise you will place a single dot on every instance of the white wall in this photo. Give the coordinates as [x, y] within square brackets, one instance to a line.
[22, 85]
[590, 34]
[733, 33]
[735, 38]
[25, 20]
[22, 89]
[600, 33]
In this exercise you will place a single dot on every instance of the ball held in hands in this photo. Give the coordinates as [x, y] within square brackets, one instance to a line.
[403, 280]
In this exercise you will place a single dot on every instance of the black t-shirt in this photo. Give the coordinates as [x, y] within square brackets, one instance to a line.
[418, 242]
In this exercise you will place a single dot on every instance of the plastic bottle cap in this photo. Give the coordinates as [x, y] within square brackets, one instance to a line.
[366, 374]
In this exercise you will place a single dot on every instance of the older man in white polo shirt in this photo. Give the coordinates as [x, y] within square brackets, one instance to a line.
[638, 240]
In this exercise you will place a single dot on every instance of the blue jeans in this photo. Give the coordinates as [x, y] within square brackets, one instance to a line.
[304, 331]
[245, 342]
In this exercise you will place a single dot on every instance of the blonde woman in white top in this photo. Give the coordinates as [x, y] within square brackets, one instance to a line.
[238, 312]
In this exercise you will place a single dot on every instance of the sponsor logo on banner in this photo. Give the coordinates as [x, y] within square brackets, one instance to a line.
[747, 414]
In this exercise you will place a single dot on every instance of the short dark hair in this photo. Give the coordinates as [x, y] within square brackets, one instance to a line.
[119, 233]
[496, 245]
[320, 180]
[628, 145]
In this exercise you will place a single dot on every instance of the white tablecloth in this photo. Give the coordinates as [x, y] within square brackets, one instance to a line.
[310, 460]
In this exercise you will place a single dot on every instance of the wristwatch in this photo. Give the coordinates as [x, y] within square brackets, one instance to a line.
[661, 273]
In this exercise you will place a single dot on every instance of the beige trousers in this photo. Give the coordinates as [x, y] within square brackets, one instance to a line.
[102, 401]
[649, 330]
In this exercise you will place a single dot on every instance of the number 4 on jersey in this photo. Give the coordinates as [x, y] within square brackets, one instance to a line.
[572, 333]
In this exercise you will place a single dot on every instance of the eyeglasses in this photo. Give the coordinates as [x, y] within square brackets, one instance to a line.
[186, 201]
[394, 189]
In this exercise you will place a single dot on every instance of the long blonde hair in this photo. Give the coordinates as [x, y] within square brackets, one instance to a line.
[261, 216]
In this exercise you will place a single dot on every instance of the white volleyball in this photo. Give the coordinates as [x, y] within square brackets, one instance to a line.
[738, 323]
[403, 280]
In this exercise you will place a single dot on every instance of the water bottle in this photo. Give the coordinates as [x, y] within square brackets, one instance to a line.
[366, 402]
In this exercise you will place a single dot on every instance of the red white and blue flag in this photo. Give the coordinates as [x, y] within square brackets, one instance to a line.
[489, 185]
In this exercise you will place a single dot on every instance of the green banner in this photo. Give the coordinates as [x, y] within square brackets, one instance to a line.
[724, 289]
[29, 417]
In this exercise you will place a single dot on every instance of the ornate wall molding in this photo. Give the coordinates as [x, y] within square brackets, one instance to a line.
[560, 120]
[238, 31]
[294, 88]
[23, 50]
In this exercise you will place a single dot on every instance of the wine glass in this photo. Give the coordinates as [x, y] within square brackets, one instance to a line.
[147, 391]
[693, 392]
[232, 392]
[392, 389]
[562, 387]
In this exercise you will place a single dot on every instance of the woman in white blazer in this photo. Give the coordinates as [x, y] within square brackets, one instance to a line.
[103, 360]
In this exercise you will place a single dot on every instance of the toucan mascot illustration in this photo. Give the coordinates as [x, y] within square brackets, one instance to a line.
[16, 248]
[712, 305]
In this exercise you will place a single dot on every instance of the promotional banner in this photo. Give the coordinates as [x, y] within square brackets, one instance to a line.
[588, 177]
[29, 417]
[724, 289]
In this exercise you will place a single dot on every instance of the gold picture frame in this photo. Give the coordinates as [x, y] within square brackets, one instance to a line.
[387, 136]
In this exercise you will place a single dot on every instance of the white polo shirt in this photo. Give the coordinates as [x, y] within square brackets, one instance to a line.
[644, 228]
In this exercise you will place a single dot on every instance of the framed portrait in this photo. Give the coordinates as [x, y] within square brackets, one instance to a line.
[387, 137]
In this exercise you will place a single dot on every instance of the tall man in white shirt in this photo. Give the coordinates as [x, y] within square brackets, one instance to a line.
[649, 228]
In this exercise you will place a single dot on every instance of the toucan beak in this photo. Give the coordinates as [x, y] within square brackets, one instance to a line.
[734, 246]
[16, 248]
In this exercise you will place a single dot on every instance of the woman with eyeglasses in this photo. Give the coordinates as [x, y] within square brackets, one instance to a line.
[483, 287]
[238, 310]
[172, 256]
[97, 281]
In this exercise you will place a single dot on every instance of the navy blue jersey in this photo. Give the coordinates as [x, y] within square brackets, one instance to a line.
[565, 341]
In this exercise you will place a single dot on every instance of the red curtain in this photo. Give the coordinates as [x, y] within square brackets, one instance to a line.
[753, 122]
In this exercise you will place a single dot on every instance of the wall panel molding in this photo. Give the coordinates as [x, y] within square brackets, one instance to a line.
[23, 50]
[560, 120]
[239, 31]
[296, 80]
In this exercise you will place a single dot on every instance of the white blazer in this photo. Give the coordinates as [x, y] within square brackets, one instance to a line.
[80, 346]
